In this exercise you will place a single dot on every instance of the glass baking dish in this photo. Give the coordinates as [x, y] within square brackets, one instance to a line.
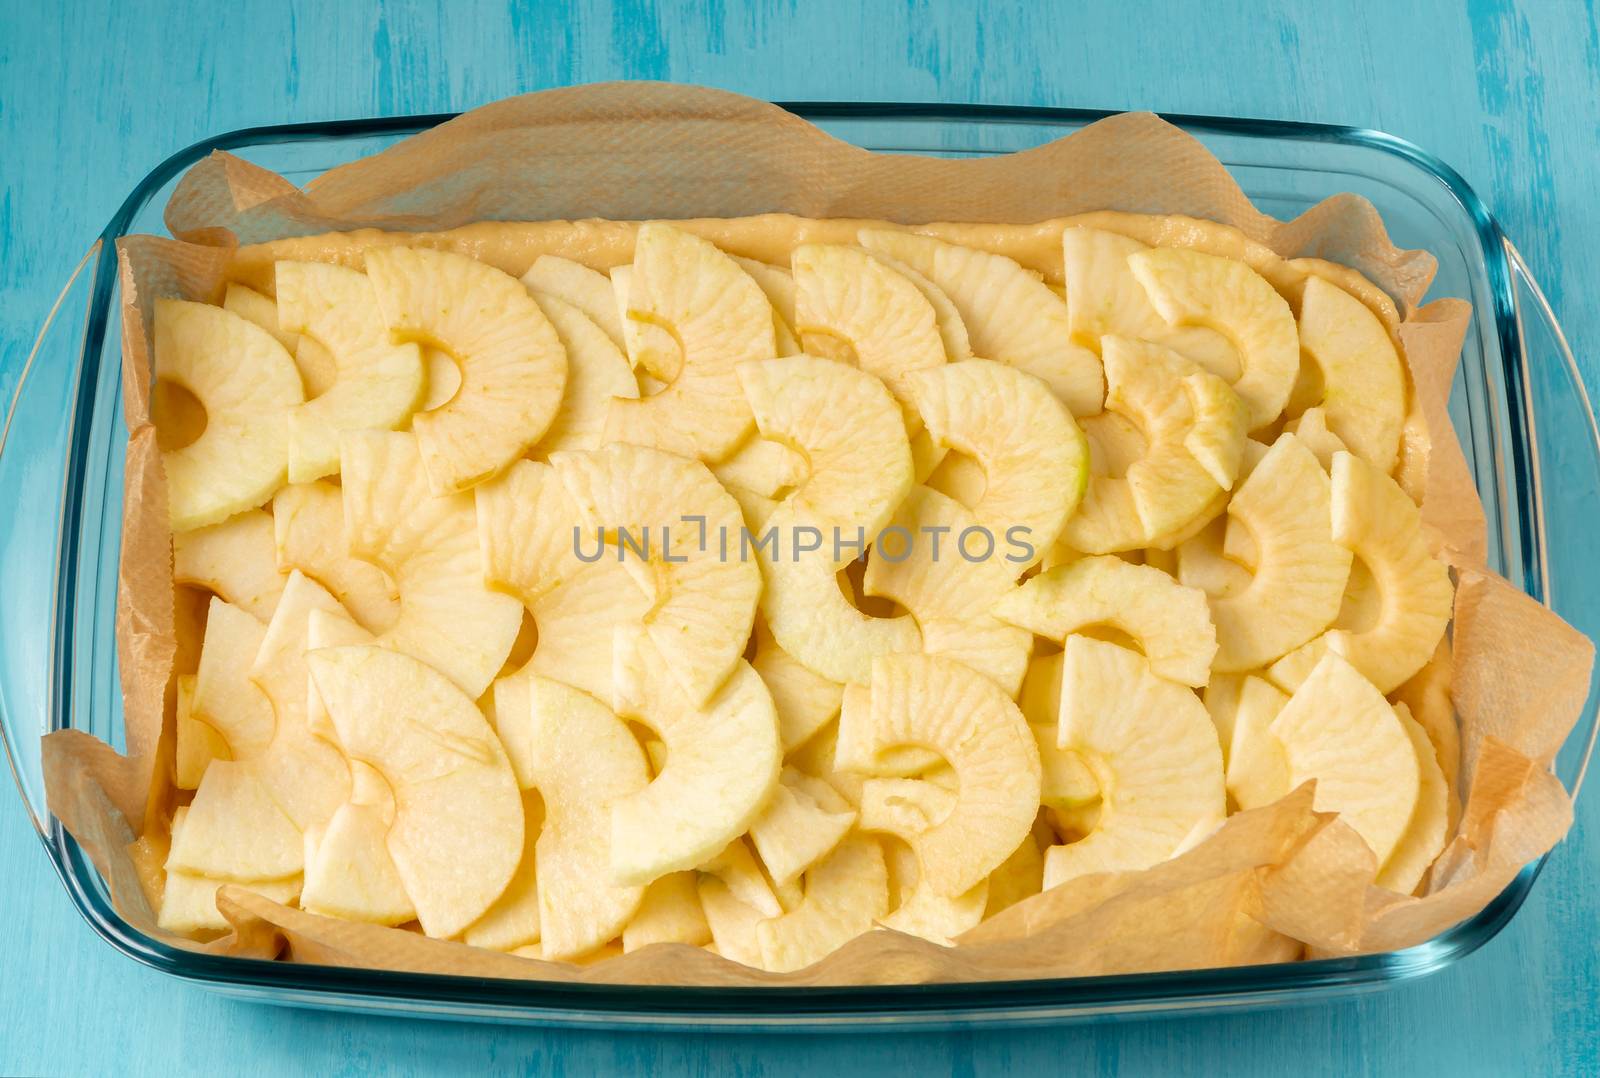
[1519, 406]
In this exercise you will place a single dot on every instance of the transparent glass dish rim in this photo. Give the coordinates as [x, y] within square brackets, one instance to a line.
[1512, 297]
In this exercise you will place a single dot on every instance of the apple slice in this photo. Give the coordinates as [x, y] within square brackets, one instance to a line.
[308, 527]
[232, 559]
[1363, 380]
[225, 697]
[803, 821]
[670, 913]
[456, 838]
[845, 894]
[597, 372]
[589, 290]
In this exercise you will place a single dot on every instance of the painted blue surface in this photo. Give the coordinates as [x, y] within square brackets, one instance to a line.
[93, 94]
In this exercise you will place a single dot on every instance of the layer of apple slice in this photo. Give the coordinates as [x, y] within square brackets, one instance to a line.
[589, 290]
[805, 702]
[943, 706]
[1104, 299]
[722, 764]
[952, 591]
[197, 742]
[582, 759]
[513, 920]
[670, 913]
[1033, 455]
[860, 468]
[1192, 288]
[1012, 316]
[456, 838]
[852, 307]
[309, 535]
[917, 911]
[235, 830]
[513, 368]
[845, 894]
[252, 306]
[1339, 730]
[247, 384]
[1362, 379]
[1425, 832]
[804, 819]
[782, 293]
[1177, 446]
[597, 372]
[1382, 527]
[1311, 427]
[1153, 752]
[737, 867]
[234, 560]
[225, 697]
[668, 515]
[731, 922]
[1170, 623]
[717, 317]
[651, 348]
[1285, 508]
[428, 545]
[189, 901]
[762, 466]
[349, 870]
[1258, 770]
[1066, 781]
[377, 382]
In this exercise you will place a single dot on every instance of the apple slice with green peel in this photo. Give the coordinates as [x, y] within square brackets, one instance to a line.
[1177, 411]
[718, 318]
[1363, 380]
[513, 920]
[1300, 574]
[428, 545]
[917, 911]
[457, 833]
[589, 290]
[597, 372]
[225, 697]
[1170, 623]
[805, 702]
[582, 759]
[940, 705]
[849, 428]
[308, 526]
[702, 603]
[1105, 299]
[1012, 317]
[738, 868]
[1339, 730]
[722, 764]
[803, 821]
[233, 560]
[1425, 832]
[235, 829]
[198, 742]
[1190, 288]
[513, 368]
[1258, 769]
[1382, 527]
[845, 894]
[1154, 755]
[247, 384]
[780, 289]
[377, 383]
[950, 596]
[670, 913]
[189, 901]
[1034, 457]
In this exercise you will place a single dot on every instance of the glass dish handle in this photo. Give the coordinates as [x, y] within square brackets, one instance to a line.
[1565, 440]
[33, 447]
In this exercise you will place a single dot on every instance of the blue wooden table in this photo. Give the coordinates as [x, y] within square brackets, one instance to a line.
[93, 93]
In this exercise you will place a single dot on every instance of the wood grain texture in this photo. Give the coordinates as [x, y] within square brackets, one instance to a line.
[93, 94]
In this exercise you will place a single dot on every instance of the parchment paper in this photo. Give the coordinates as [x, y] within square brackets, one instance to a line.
[1269, 885]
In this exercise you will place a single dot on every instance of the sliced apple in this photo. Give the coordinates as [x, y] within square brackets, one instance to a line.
[845, 894]
[917, 911]
[308, 526]
[804, 819]
[225, 697]
[589, 290]
[1363, 380]
[1192, 288]
[232, 559]
[247, 384]
[1425, 832]
[1154, 755]
[670, 913]
[197, 741]
[1010, 314]
[457, 833]
[513, 368]
[189, 901]
[513, 920]
[597, 372]
[1170, 623]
